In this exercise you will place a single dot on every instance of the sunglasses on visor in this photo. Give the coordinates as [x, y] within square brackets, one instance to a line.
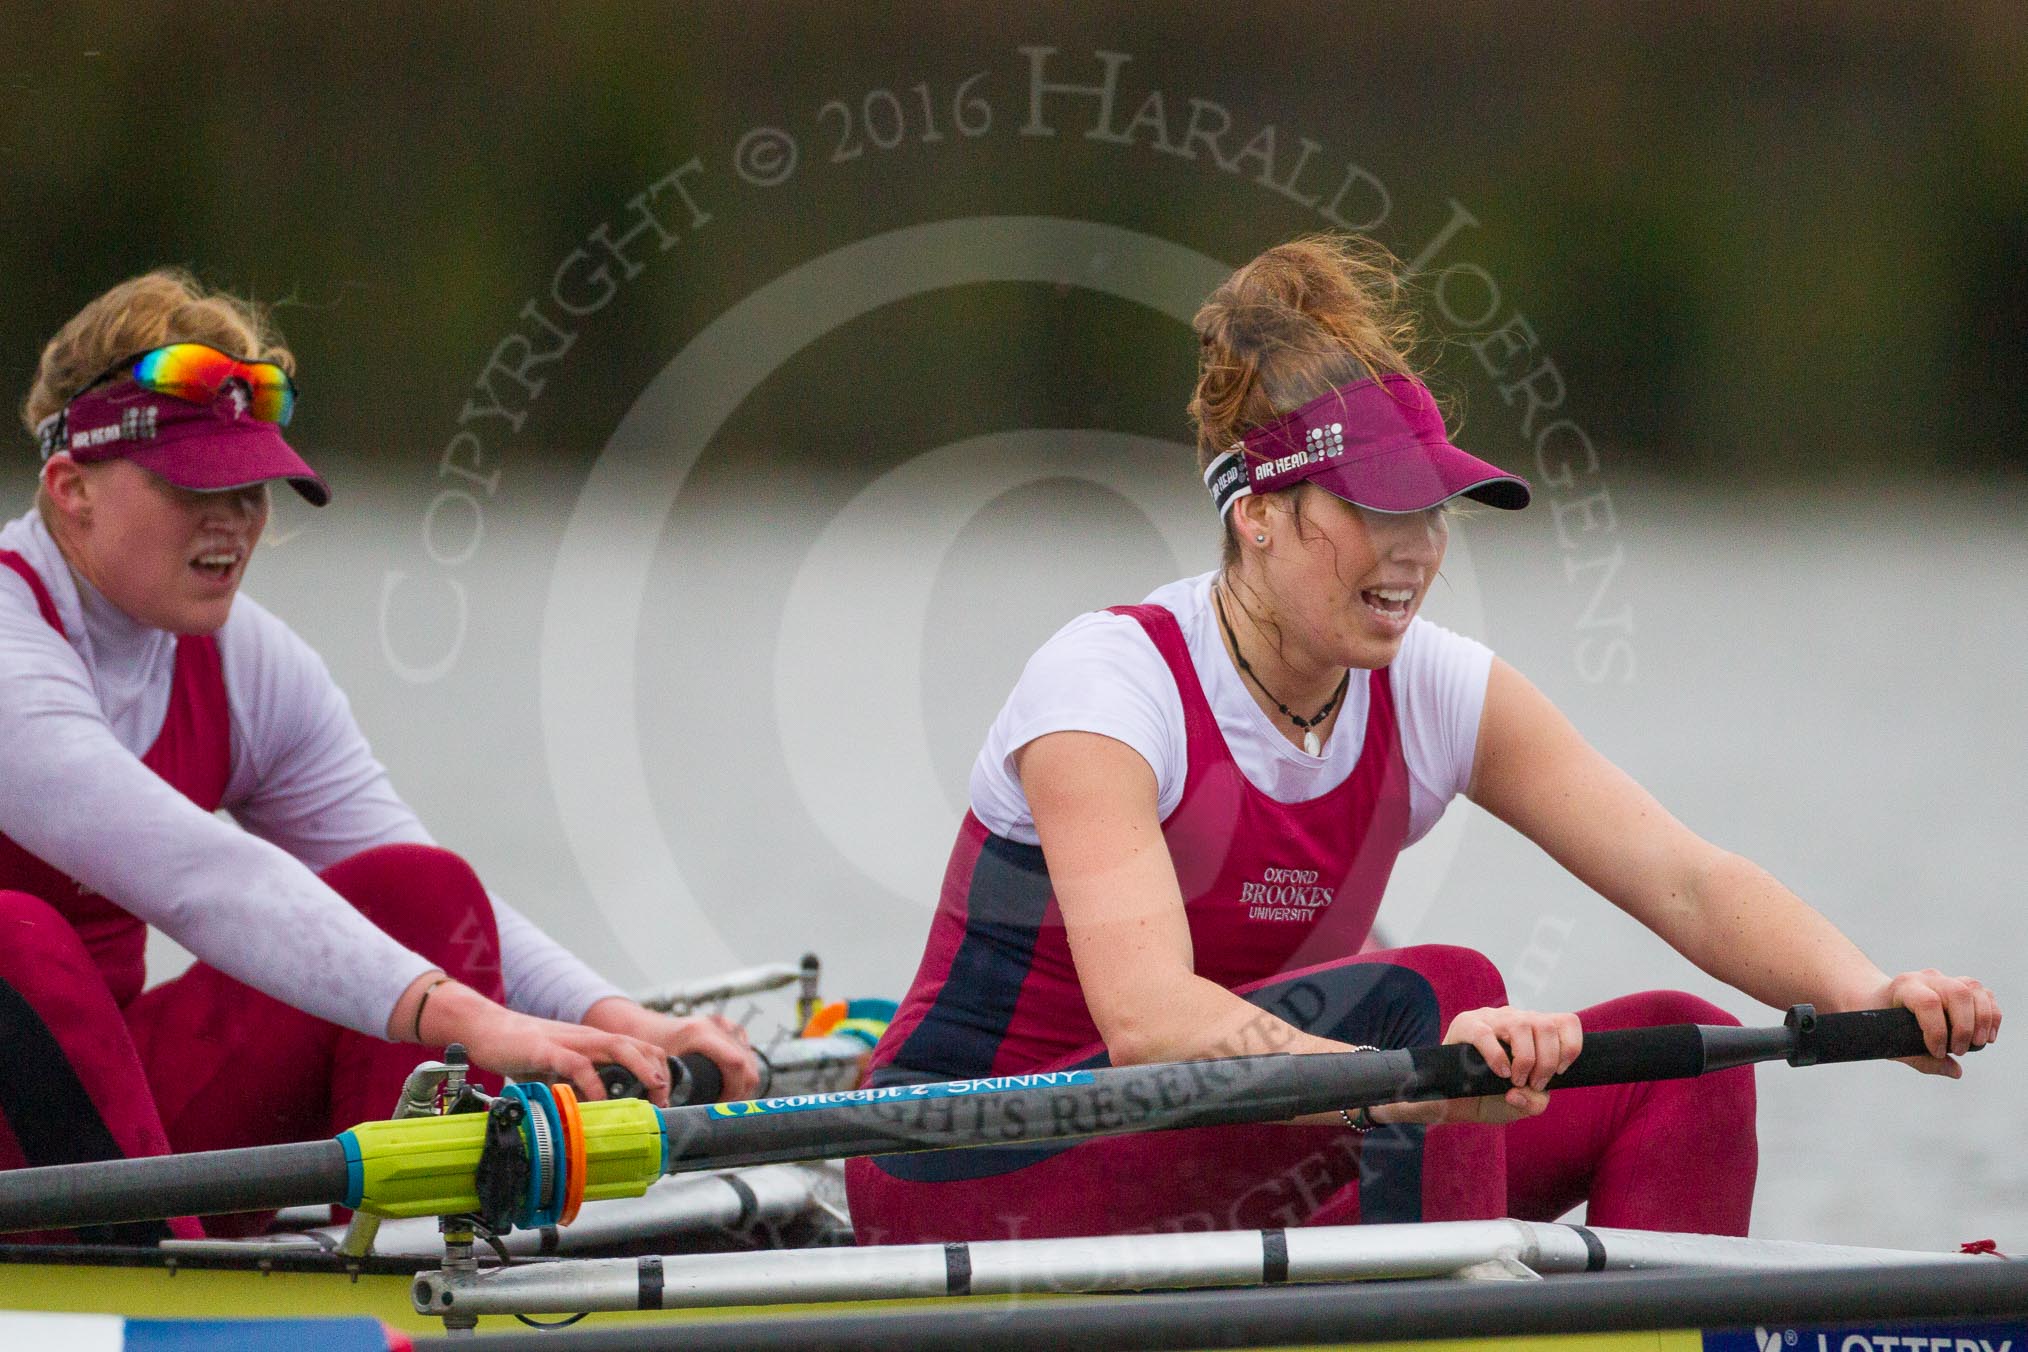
[199, 374]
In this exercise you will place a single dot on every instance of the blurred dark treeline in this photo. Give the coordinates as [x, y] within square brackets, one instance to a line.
[1758, 241]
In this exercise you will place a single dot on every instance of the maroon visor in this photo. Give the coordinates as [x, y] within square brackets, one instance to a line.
[1378, 443]
[203, 447]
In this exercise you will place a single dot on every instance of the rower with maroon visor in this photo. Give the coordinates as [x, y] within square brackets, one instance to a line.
[141, 696]
[1184, 818]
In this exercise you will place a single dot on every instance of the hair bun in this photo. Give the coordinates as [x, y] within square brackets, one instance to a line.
[1299, 320]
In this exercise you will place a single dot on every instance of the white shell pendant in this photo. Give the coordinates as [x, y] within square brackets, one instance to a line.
[1311, 743]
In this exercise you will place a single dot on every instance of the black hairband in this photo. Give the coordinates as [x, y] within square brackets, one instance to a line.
[1228, 479]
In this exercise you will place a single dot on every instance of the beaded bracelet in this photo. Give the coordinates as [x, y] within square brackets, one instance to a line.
[1364, 1122]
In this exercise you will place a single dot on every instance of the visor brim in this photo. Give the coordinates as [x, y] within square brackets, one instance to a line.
[1421, 476]
[228, 456]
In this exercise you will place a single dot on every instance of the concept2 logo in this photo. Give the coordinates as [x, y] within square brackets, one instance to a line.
[893, 1093]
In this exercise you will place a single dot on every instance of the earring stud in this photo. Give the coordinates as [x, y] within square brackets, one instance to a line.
[1260, 539]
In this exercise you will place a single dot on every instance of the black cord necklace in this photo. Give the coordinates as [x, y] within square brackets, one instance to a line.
[1312, 744]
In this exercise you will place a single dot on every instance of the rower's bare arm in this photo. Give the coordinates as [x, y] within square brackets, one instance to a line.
[1725, 913]
[1094, 803]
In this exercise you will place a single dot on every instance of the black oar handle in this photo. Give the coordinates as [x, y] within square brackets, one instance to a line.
[1863, 1035]
[697, 1077]
[1670, 1052]
[1681, 1050]
[693, 1078]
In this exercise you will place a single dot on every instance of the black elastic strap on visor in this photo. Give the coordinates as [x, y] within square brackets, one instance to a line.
[50, 434]
[1228, 480]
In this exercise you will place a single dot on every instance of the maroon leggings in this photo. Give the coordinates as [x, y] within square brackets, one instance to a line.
[1668, 1155]
[203, 1062]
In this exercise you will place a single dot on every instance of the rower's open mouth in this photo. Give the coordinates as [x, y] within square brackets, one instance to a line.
[1391, 602]
[218, 563]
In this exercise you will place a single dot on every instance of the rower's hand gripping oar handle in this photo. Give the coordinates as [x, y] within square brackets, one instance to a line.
[1862, 1035]
[1682, 1050]
[693, 1078]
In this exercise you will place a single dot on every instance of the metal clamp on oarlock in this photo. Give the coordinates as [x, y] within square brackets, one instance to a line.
[1801, 1022]
[503, 1174]
[459, 1095]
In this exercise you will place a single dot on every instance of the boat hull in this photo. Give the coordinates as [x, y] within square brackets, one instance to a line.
[1981, 1306]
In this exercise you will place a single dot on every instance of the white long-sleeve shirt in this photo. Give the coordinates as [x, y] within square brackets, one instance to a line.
[79, 709]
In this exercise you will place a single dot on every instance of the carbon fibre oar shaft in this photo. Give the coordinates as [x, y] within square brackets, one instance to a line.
[105, 1192]
[1108, 1101]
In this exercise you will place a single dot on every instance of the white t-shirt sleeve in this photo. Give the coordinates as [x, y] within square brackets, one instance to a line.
[77, 799]
[311, 784]
[1099, 673]
[1439, 681]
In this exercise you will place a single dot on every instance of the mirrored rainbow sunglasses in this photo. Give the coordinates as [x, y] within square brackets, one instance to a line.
[199, 373]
